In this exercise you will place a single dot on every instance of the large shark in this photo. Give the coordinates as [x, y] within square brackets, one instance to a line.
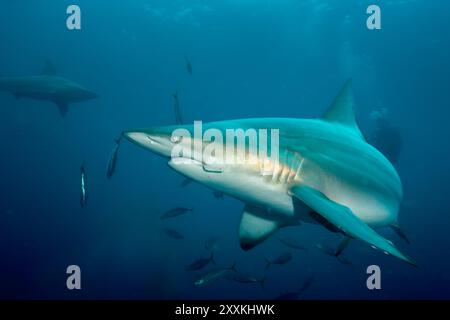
[327, 173]
[47, 86]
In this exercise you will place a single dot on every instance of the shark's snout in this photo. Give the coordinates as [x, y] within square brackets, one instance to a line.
[158, 143]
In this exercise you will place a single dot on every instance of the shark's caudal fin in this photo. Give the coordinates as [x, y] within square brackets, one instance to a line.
[344, 219]
[341, 110]
[257, 225]
[49, 68]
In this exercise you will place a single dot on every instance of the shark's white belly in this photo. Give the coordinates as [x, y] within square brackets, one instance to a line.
[272, 193]
[262, 192]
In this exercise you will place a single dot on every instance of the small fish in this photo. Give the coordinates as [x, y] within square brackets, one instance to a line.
[212, 244]
[112, 163]
[175, 212]
[201, 263]
[292, 243]
[176, 107]
[83, 194]
[173, 234]
[188, 65]
[282, 259]
[246, 278]
[215, 275]
[295, 295]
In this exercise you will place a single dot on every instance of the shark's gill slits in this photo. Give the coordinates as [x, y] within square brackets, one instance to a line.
[285, 171]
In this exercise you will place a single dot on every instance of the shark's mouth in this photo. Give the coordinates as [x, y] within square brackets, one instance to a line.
[178, 162]
[158, 144]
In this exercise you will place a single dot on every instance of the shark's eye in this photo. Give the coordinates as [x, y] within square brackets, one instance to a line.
[175, 139]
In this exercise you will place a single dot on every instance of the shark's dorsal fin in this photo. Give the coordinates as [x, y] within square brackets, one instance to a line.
[341, 110]
[49, 69]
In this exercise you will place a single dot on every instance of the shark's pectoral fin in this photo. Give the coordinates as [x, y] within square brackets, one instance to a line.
[62, 107]
[344, 219]
[256, 225]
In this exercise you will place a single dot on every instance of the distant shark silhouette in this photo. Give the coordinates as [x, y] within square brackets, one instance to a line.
[327, 174]
[47, 86]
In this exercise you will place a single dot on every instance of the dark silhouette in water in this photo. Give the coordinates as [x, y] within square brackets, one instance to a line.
[175, 212]
[173, 234]
[218, 194]
[282, 259]
[47, 86]
[400, 233]
[201, 263]
[112, 163]
[335, 253]
[188, 65]
[296, 295]
[83, 193]
[186, 182]
[176, 107]
[291, 243]
[212, 244]
[246, 278]
[386, 137]
[215, 275]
